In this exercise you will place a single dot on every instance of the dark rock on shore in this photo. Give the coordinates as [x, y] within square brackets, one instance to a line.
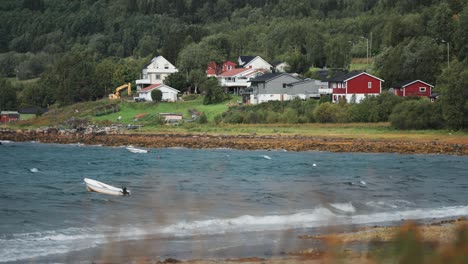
[116, 136]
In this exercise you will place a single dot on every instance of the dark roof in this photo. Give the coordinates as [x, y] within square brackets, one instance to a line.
[405, 83]
[246, 59]
[401, 84]
[265, 77]
[306, 80]
[322, 74]
[32, 110]
[340, 77]
[276, 63]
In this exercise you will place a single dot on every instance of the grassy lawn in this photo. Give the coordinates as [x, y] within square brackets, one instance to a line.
[368, 131]
[128, 111]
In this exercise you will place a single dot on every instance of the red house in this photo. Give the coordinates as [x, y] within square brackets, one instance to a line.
[213, 70]
[413, 88]
[8, 116]
[354, 86]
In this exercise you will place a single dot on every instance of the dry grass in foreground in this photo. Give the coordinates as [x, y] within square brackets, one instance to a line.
[442, 242]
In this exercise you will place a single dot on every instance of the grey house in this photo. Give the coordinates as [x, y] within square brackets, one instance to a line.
[307, 88]
[280, 87]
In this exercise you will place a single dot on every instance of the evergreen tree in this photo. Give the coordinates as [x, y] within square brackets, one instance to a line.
[7, 96]
[453, 87]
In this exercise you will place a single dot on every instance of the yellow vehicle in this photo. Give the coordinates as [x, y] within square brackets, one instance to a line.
[116, 95]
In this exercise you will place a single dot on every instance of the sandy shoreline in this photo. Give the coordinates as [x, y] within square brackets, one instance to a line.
[340, 247]
[244, 142]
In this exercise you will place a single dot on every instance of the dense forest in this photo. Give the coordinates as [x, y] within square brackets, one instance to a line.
[79, 50]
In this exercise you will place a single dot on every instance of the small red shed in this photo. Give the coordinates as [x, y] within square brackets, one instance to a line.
[9, 116]
[413, 88]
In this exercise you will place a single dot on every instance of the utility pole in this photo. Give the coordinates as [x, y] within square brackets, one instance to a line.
[367, 50]
[448, 52]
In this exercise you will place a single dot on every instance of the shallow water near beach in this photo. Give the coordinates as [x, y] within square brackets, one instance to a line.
[190, 203]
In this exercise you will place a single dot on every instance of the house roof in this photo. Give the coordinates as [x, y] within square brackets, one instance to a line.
[348, 76]
[246, 59]
[9, 113]
[233, 72]
[341, 77]
[149, 88]
[301, 81]
[407, 83]
[157, 86]
[269, 76]
[276, 63]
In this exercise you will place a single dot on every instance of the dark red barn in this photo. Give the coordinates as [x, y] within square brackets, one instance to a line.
[413, 88]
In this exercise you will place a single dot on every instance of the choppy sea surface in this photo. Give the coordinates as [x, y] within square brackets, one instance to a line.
[220, 198]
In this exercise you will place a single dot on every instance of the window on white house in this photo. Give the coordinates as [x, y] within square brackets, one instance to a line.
[422, 89]
[166, 66]
[284, 85]
[369, 85]
[158, 77]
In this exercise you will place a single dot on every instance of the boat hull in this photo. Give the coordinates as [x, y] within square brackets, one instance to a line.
[137, 150]
[99, 187]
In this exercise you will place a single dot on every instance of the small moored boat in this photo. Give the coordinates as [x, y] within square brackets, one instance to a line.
[136, 150]
[99, 187]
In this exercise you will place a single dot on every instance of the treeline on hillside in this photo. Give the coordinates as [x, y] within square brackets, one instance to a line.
[69, 45]
[35, 33]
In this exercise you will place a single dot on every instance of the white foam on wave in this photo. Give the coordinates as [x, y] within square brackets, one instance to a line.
[18, 247]
[345, 207]
[390, 204]
[308, 219]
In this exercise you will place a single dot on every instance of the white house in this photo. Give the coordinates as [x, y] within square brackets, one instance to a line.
[155, 72]
[234, 80]
[254, 62]
[169, 94]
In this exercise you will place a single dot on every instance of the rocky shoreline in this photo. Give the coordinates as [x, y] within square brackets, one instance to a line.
[116, 136]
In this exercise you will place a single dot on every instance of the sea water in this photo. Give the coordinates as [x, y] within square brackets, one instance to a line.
[220, 198]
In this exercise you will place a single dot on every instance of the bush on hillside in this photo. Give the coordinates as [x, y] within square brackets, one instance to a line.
[420, 114]
[156, 95]
[202, 119]
[327, 113]
[375, 108]
[295, 111]
[190, 97]
[214, 93]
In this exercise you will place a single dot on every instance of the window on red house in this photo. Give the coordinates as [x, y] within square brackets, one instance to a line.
[369, 85]
[422, 89]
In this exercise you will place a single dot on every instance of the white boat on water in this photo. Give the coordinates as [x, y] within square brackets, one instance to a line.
[137, 150]
[99, 187]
